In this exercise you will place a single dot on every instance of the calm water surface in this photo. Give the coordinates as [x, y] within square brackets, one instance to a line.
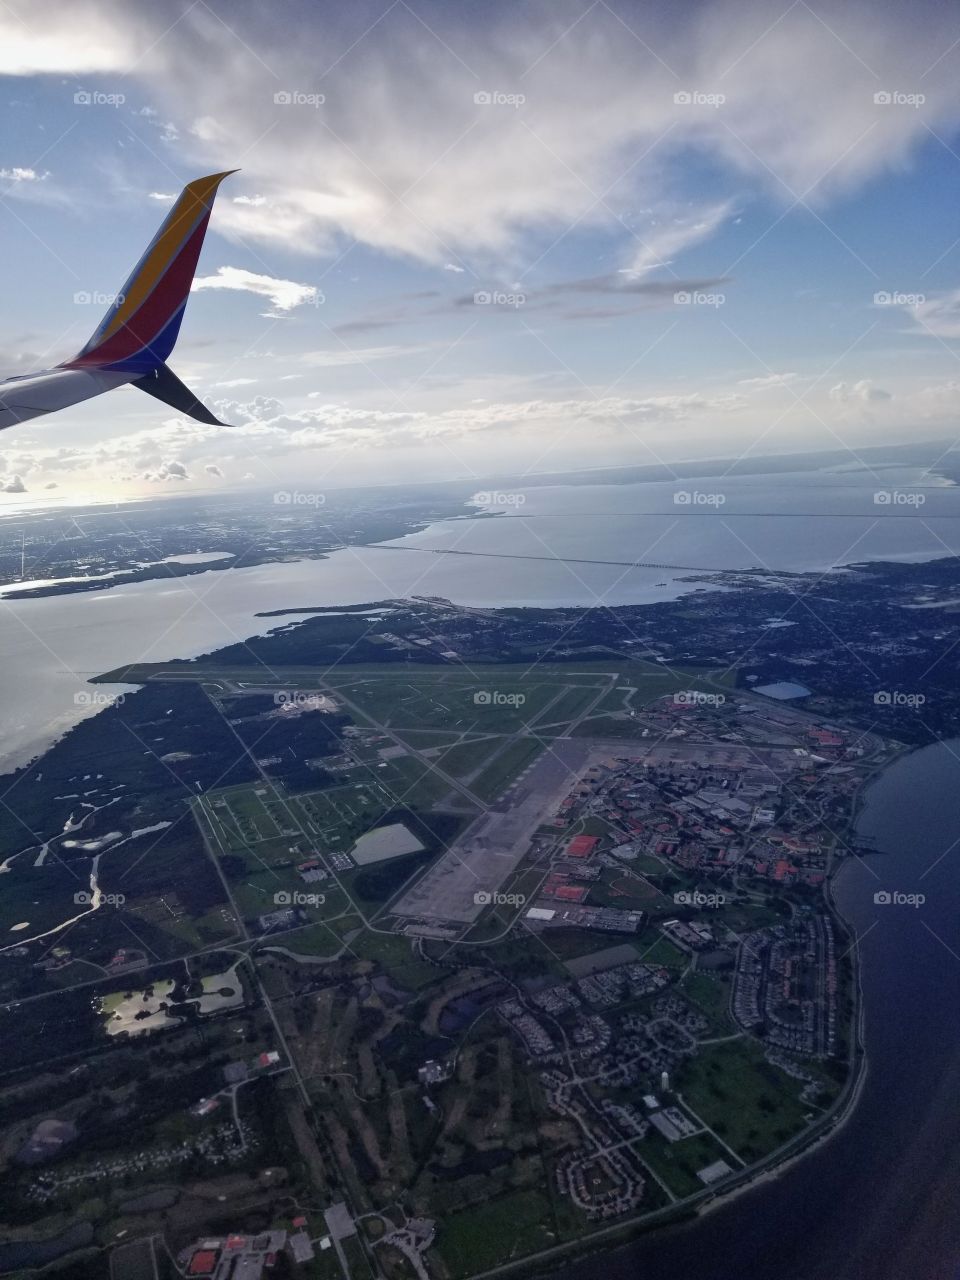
[806, 521]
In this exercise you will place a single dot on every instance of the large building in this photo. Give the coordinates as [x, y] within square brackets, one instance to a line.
[236, 1257]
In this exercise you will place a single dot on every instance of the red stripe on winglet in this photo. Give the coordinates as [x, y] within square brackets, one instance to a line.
[157, 311]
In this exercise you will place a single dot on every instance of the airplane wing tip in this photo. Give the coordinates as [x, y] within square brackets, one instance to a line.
[215, 177]
[163, 384]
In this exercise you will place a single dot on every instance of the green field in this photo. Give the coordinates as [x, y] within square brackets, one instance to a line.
[711, 995]
[397, 957]
[425, 703]
[324, 1266]
[314, 939]
[465, 758]
[617, 888]
[412, 782]
[571, 703]
[656, 949]
[482, 699]
[245, 815]
[259, 870]
[495, 1233]
[356, 1258]
[424, 739]
[263, 875]
[334, 818]
[257, 894]
[751, 1104]
[677, 1163]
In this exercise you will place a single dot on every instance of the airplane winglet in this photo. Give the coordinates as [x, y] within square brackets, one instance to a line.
[139, 331]
[133, 340]
[164, 385]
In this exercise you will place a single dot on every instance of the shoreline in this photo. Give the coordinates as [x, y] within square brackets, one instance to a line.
[773, 1166]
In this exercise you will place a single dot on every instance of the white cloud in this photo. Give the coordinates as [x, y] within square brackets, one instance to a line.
[88, 40]
[863, 391]
[259, 409]
[304, 438]
[168, 471]
[236, 382]
[16, 174]
[938, 316]
[13, 484]
[162, 195]
[799, 115]
[659, 244]
[265, 428]
[284, 295]
[768, 381]
[433, 177]
[940, 402]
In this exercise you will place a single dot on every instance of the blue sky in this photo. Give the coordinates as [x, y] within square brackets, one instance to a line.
[703, 230]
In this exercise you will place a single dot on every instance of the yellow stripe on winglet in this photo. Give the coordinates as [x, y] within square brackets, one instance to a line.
[195, 199]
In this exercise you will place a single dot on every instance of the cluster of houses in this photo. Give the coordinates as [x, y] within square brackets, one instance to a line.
[786, 982]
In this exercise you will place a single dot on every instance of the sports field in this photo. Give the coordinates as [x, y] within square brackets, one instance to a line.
[260, 835]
